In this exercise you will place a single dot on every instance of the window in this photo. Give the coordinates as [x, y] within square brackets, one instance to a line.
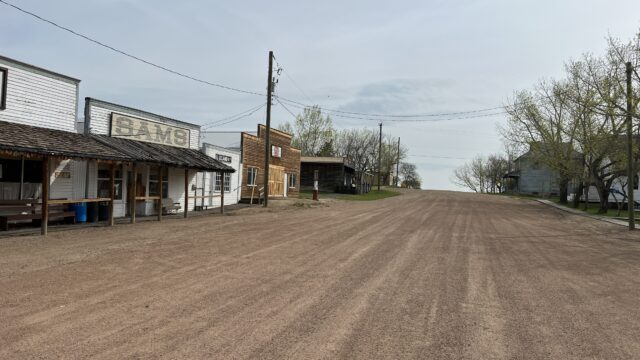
[3, 88]
[292, 180]
[252, 176]
[153, 182]
[104, 180]
[227, 182]
[223, 158]
[216, 188]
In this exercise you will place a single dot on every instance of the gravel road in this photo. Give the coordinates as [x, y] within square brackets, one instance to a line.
[429, 274]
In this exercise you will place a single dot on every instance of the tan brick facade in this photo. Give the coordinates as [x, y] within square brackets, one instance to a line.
[253, 157]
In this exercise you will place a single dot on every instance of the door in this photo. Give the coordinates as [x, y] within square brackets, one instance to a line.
[276, 180]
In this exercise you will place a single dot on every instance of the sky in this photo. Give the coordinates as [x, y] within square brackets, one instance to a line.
[381, 57]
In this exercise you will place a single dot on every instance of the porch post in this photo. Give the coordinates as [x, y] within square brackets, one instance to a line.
[221, 193]
[186, 192]
[134, 191]
[112, 191]
[160, 173]
[44, 222]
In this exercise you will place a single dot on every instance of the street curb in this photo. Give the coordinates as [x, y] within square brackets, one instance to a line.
[582, 213]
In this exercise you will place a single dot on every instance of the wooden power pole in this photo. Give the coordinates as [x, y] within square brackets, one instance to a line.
[380, 158]
[398, 164]
[630, 171]
[267, 143]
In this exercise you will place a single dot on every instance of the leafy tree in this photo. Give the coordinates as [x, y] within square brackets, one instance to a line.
[312, 132]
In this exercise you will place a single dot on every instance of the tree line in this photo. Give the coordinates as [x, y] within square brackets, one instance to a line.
[575, 125]
[315, 135]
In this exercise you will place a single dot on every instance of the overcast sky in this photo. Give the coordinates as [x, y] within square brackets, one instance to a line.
[393, 57]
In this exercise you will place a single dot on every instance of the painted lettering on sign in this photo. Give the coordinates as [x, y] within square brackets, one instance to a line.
[128, 127]
[276, 151]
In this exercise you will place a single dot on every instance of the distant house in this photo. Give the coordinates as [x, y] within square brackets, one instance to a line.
[334, 174]
[531, 177]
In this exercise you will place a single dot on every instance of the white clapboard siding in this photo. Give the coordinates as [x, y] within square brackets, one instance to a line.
[61, 188]
[232, 197]
[99, 113]
[38, 98]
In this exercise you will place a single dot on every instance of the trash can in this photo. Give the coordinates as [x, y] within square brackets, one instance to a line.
[103, 212]
[92, 212]
[81, 212]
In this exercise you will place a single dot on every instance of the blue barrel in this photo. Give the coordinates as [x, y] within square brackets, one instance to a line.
[81, 212]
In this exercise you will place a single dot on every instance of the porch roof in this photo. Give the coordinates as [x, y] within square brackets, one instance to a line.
[20, 139]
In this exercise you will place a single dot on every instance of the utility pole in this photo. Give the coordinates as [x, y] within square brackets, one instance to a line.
[267, 142]
[380, 158]
[398, 164]
[630, 171]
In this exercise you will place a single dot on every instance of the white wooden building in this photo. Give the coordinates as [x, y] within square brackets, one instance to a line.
[47, 157]
[209, 183]
[31, 95]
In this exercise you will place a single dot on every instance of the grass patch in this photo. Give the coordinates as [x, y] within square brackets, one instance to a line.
[592, 208]
[372, 195]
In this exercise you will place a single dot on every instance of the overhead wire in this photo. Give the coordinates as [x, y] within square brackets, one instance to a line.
[213, 123]
[129, 55]
[234, 118]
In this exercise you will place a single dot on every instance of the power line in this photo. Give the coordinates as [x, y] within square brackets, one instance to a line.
[218, 123]
[213, 123]
[147, 62]
[439, 157]
[286, 108]
[401, 120]
[293, 102]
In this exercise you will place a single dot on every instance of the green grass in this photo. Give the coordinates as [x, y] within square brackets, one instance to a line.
[593, 208]
[372, 195]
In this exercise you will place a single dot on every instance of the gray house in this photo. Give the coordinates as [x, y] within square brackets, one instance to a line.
[531, 177]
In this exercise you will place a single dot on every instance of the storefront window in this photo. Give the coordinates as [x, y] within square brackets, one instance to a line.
[227, 182]
[252, 175]
[104, 179]
[153, 183]
[216, 188]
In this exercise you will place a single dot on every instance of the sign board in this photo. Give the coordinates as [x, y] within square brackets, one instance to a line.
[276, 151]
[129, 127]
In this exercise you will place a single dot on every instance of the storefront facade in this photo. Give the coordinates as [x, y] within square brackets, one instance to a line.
[284, 165]
[209, 184]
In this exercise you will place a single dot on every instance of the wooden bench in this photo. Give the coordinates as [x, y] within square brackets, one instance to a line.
[13, 211]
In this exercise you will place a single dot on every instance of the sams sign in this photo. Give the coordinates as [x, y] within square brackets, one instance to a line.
[128, 127]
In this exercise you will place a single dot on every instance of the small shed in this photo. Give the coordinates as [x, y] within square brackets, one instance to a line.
[334, 174]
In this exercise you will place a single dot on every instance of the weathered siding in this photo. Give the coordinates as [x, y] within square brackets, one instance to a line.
[253, 156]
[98, 119]
[331, 177]
[38, 98]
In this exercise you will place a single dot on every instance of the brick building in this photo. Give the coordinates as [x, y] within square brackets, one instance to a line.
[284, 165]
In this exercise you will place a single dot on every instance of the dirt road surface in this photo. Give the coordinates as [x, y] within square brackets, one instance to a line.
[435, 275]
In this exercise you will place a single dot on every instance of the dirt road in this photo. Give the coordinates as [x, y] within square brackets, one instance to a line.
[424, 275]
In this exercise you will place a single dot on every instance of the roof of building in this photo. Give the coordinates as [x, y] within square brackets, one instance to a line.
[25, 139]
[19, 138]
[38, 69]
[325, 160]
